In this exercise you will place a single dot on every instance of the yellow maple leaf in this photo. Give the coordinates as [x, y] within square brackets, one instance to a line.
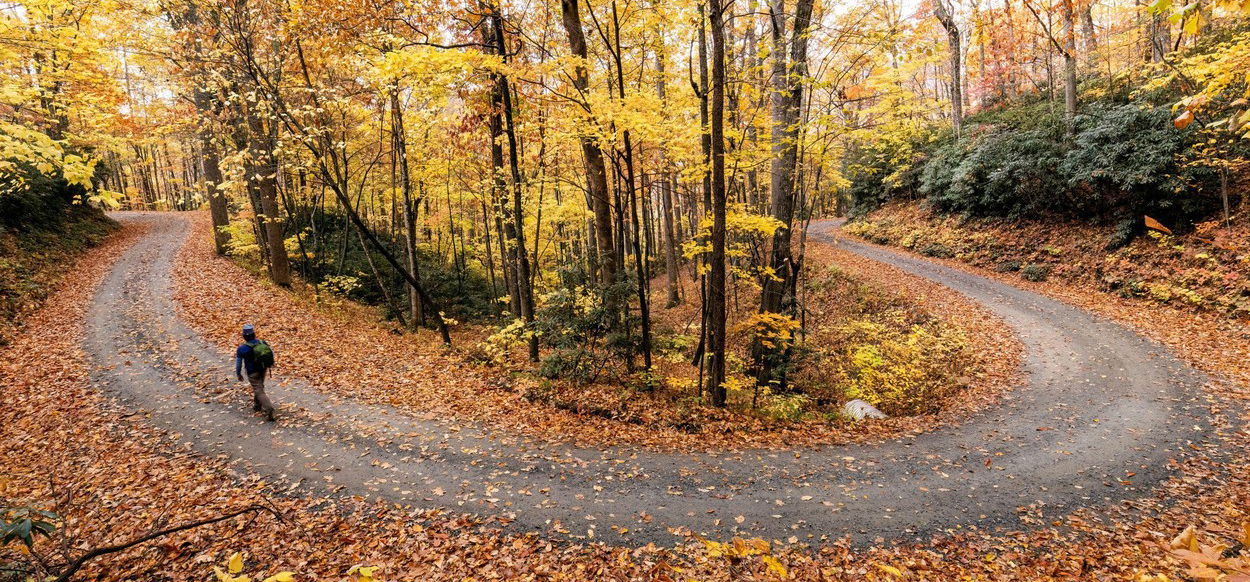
[235, 563]
[888, 569]
[775, 566]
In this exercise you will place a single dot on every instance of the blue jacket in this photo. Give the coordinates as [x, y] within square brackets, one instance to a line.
[243, 358]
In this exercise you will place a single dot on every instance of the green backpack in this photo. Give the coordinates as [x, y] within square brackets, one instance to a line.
[262, 355]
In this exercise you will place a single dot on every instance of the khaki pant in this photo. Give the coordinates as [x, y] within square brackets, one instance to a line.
[260, 402]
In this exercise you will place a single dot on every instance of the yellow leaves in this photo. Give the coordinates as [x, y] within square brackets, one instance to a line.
[774, 331]
[235, 563]
[430, 66]
[775, 566]
[1193, 22]
[234, 572]
[363, 573]
[20, 145]
[738, 549]
[891, 570]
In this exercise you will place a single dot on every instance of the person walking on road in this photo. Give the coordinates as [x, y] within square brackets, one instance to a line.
[256, 357]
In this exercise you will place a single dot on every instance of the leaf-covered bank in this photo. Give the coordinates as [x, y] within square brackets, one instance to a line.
[40, 239]
[1205, 270]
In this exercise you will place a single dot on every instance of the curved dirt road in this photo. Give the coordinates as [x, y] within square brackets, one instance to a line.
[1102, 413]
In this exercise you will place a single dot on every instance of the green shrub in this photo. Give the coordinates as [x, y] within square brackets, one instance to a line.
[573, 363]
[887, 168]
[1035, 272]
[1008, 266]
[785, 407]
[995, 172]
[938, 250]
[582, 332]
[461, 287]
[1126, 160]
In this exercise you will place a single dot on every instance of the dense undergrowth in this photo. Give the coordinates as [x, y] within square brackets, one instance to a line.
[329, 254]
[494, 383]
[858, 340]
[1124, 160]
[40, 235]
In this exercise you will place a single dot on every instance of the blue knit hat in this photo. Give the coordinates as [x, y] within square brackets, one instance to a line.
[248, 329]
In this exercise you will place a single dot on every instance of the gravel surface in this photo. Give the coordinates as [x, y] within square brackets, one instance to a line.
[1100, 416]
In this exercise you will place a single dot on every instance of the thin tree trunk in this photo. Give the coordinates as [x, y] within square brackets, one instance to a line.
[218, 207]
[264, 135]
[716, 277]
[947, 19]
[524, 282]
[1069, 65]
[399, 148]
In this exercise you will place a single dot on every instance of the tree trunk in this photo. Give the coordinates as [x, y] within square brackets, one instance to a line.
[596, 172]
[1089, 37]
[1069, 65]
[218, 206]
[1159, 37]
[263, 138]
[524, 282]
[671, 266]
[716, 277]
[399, 149]
[947, 19]
[787, 100]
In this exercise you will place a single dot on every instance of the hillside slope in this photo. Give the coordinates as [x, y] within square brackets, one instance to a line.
[1206, 270]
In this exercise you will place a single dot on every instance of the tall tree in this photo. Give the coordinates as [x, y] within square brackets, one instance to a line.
[789, 76]
[263, 141]
[596, 171]
[946, 16]
[716, 310]
[665, 188]
[524, 280]
[1065, 44]
[197, 49]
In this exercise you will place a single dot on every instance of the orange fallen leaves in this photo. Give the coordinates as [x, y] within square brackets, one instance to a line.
[58, 435]
[1213, 562]
[346, 350]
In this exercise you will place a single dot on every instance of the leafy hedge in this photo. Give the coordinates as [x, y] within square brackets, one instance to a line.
[1125, 160]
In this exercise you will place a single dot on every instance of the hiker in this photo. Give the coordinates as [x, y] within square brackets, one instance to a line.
[256, 357]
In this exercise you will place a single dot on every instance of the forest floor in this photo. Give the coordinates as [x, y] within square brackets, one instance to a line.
[1106, 421]
[368, 361]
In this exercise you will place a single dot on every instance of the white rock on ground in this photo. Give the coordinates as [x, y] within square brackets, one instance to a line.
[859, 410]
